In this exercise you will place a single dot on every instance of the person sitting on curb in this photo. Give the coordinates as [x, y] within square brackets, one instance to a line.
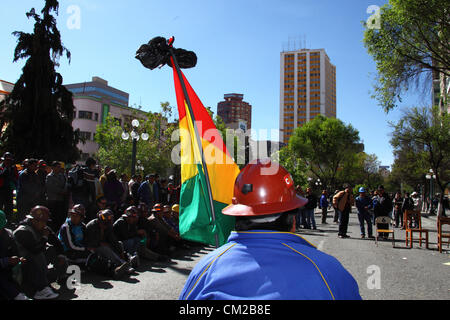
[72, 236]
[134, 239]
[41, 247]
[100, 238]
[9, 261]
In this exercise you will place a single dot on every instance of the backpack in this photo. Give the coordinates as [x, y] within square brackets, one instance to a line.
[76, 177]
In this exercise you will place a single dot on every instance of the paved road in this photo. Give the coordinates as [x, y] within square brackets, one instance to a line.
[382, 273]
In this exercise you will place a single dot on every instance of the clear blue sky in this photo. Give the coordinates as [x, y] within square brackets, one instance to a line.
[238, 44]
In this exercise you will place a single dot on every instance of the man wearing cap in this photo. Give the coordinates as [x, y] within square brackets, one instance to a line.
[264, 259]
[363, 204]
[9, 262]
[72, 235]
[8, 181]
[40, 246]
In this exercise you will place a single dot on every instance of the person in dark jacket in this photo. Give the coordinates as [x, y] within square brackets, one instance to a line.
[145, 191]
[56, 193]
[113, 190]
[309, 209]
[9, 262]
[28, 190]
[407, 204]
[100, 238]
[40, 246]
[382, 207]
[323, 203]
[8, 182]
[364, 204]
[133, 238]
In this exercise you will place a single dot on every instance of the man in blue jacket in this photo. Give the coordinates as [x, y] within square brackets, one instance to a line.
[264, 259]
[364, 203]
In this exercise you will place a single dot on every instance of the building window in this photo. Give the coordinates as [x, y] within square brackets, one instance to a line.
[86, 136]
[85, 115]
[96, 117]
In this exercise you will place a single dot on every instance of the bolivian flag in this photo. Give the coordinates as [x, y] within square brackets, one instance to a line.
[200, 195]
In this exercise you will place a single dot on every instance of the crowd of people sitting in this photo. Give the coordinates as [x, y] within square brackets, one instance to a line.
[83, 216]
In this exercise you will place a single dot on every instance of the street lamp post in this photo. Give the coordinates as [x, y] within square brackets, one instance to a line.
[135, 137]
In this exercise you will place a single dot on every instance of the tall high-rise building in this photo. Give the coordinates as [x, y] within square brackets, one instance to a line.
[235, 112]
[308, 88]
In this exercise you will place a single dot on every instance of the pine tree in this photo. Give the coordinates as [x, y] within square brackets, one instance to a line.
[37, 116]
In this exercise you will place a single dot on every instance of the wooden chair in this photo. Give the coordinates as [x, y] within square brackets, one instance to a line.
[415, 217]
[387, 221]
[443, 221]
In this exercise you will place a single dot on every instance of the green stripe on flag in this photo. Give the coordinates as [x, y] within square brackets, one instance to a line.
[196, 222]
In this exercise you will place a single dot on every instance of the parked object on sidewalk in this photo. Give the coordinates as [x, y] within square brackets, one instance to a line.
[441, 234]
[413, 223]
[380, 224]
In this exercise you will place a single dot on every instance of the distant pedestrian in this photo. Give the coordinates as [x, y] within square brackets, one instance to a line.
[344, 201]
[323, 202]
[398, 213]
[309, 209]
[336, 211]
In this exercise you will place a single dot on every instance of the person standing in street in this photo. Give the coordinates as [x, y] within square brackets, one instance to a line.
[336, 211]
[363, 204]
[309, 209]
[323, 202]
[398, 213]
[382, 207]
[344, 201]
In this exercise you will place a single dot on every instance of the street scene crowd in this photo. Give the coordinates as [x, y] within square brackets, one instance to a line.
[52, 217]
[370, 206]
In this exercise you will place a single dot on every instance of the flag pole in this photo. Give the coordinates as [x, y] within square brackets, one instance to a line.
[197, 135]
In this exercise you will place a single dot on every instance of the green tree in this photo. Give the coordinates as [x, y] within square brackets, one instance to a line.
[413, 40]
[421, 140]
[38, 114]
[294, 165]
[154, 154]
[324, 144]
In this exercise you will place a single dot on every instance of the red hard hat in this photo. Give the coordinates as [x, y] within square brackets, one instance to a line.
[256, 193]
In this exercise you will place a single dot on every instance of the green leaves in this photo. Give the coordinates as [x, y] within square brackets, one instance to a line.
[323, 145]
[421, 141]
[153, 155]
[413, 41]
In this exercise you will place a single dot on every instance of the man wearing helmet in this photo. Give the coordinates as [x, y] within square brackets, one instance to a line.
[264, 259]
